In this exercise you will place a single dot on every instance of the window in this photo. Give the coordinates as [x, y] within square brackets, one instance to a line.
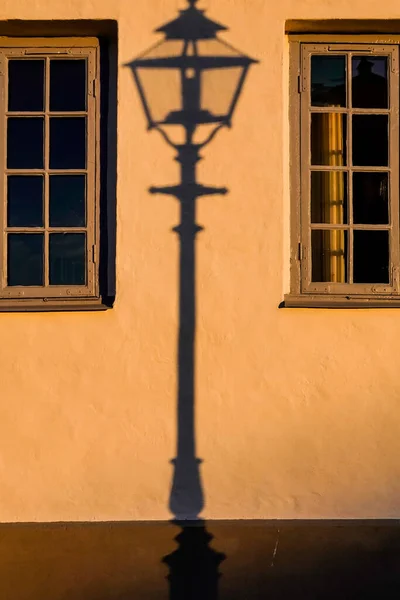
[345, 173]
[49, 174]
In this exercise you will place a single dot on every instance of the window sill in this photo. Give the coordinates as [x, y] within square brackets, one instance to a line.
[338, 301]
[54, 305]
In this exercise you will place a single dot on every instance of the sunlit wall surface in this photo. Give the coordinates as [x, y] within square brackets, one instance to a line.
[297, 410]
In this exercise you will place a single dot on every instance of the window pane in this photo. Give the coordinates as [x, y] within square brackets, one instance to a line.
[371, 257]
[370, 140]
[24, 201]
[328, 139]
[329, 256]
[67, 200]
[25, 259]
[67, 84]
[25, 143]
[68, 143]
[25, 85]
[328, 80]
[369, 82]
[370, 198]
[329, 197]
[67, 259]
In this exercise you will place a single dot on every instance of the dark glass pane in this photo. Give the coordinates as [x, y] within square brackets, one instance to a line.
[329, 256]
[370, 198]
[68, 143]
[25, 259]
[328, 80]
[67, 84]
[329, 197]
[67, 200]
[369, 82]
[371, 256]
[25, 85]
[25, 143]
[370, 141]
[25, 201]
[67, 259]
[328, 139]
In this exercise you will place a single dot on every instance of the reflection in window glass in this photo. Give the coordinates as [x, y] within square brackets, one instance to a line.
[25, 201]
[329, 197]
[369, 82]
[67, 259]
[26, 85]
[370, 140]
[370, 198]
[328, 80]
[25, 143]
[329, 256]
[67, 85]
[328, 139]
[25, 259]
[371, 256]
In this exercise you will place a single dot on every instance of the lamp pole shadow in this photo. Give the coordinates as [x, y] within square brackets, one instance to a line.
[194, 565]
[193, 55]
[186, 498]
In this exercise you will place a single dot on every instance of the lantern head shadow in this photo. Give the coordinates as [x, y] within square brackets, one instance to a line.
[191, 78]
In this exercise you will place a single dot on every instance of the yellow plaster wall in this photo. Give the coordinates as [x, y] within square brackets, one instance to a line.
[297, 410]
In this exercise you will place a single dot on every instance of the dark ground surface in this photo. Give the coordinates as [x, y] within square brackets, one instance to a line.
[254, 559]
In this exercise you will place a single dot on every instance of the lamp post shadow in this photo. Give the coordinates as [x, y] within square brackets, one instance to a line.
[194, 565]
[186, 497]
[193, 55]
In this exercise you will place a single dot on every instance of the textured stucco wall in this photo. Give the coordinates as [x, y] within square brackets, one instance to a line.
[297, 410]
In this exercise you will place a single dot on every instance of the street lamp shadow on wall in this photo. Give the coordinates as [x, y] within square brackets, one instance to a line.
[189, 84]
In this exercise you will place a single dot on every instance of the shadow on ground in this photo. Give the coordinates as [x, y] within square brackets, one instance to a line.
[267, 560]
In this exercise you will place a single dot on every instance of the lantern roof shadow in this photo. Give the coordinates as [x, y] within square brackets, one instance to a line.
[191, 25]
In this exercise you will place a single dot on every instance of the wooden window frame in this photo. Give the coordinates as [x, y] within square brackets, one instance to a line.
[25, 298]
[303, 292]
